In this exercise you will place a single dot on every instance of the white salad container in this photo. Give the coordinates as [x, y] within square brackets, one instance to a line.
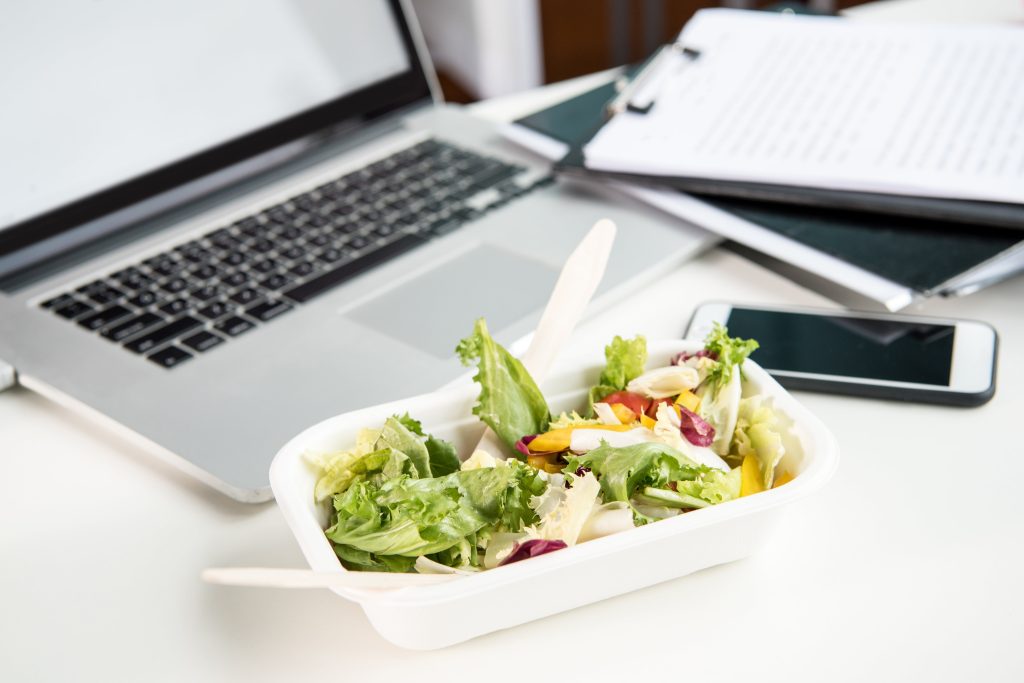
[434, 616]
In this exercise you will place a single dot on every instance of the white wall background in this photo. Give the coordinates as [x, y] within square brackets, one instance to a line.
[491, 47]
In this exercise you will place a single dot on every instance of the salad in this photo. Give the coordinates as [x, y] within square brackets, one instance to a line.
[649, 444]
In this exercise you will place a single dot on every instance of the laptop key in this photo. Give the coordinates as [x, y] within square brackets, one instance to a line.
[331, 255]
[235, 326]
[174, 285]
[302, 269]
[132, 327]
[159, 335]
[73, 310]
[137, 282]
[246, 295]
[293, 253]
[143, 299]
[204, 272]
[175, 306]
[103, 318]
[105, 295]
[233, 258]
[99, 291]
[351, 269]
[264, 266]
[58, 301]
[170, 357]
[169, 268]
[217, 309]
[236, 279]
[446, 226]
[275, 282]
[203, 341]
[268, 310]
[206, 292]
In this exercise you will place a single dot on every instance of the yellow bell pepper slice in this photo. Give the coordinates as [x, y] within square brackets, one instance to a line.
[540, 462]
[688, 400]
[555, 440]
[785, 478]
[558, 439]
[647, 422]
[750, 477]
[625, 415]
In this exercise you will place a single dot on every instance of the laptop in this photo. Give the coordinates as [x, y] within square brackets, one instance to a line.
[222, 224]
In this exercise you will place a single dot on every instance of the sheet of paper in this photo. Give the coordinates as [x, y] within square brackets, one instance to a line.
[919, 110]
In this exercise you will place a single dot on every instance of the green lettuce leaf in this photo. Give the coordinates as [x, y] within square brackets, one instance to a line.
[708, 487]
[338, 471]
[410, 423]
[572, 419]
[443, 458]
[622, 471]
[510, 402]
[641, 476]
[410, 517]
[713, 486]
[441, 454]
[396, 436]
[361, 561]
[757, 434]
[730, 351]
[624, 361]
[399, 447]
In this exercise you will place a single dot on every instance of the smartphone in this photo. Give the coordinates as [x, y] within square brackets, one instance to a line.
[878, 355]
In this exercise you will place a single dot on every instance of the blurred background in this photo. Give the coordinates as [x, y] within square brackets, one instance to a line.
[485, 48]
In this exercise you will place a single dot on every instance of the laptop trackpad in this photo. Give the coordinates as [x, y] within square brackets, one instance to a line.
[434, 310]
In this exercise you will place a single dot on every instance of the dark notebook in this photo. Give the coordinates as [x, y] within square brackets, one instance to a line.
[926, 256]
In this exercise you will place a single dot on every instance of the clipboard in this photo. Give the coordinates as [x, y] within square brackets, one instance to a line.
[638, 94]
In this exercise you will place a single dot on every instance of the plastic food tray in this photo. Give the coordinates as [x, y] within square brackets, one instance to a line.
[434, 616]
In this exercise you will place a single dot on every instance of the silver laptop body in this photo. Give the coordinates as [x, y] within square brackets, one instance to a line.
[385, 330]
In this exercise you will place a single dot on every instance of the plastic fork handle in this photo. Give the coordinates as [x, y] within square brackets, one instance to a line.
[576, 284]
[8, 377]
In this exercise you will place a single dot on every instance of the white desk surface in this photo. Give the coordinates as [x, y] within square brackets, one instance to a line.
[907, 566]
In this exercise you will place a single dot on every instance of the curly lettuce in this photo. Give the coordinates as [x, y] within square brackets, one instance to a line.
[444, 517]
[399, 447]
[510, 403]
[624, 361]
[729, 352]
[757, 435]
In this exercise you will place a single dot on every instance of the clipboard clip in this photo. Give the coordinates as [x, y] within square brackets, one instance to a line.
[640, 93]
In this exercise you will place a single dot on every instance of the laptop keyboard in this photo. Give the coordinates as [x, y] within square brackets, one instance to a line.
[200, 294]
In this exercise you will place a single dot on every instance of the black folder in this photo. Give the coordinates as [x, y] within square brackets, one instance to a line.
[907, 247]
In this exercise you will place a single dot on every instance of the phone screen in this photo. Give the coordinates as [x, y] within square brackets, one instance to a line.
[850, 347]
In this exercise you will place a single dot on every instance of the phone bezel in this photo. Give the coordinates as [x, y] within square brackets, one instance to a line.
[971, 366]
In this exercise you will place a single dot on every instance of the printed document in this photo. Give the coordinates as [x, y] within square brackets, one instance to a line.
[920, 110]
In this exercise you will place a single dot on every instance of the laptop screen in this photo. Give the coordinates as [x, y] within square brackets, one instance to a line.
[109, 93]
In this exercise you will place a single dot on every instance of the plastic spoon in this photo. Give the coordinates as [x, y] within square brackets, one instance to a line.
[574, 289]
[307, 578]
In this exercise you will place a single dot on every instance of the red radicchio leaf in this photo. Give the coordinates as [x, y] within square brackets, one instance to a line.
[522, 444]
[531, 548]
[695, 428]
[681, 358]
